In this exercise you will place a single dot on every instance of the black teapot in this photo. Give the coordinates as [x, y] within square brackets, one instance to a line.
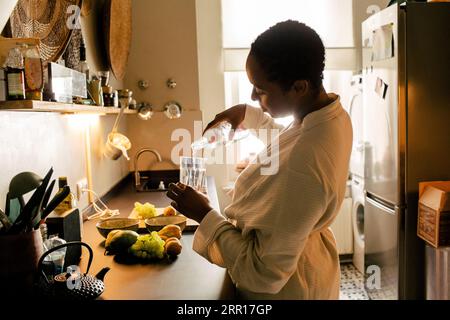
[71, 285]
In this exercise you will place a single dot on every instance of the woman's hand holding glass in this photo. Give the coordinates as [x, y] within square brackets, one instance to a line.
[187, 201]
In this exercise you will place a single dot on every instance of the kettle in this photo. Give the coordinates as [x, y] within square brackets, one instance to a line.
[71, 285]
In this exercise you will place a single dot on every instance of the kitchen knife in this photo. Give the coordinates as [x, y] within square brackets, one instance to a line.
[47, 195]
[37, 217]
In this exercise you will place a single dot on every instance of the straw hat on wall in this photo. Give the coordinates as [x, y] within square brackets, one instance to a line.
[51, 21]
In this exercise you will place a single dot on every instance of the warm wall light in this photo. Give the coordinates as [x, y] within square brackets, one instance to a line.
[173, 110]
[82, 120]
[145, 111]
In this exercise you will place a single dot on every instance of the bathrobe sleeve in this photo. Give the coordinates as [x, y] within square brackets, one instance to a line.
[255, 118]
[281, 222]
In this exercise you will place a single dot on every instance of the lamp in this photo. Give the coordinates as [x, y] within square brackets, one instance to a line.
[145, 111]
[173, 110]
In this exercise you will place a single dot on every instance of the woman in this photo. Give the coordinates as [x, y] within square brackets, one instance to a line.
[275, 240]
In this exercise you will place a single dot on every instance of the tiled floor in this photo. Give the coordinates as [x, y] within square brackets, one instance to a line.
[352, 284]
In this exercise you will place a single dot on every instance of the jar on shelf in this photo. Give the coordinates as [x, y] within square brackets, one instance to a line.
[116, 98]
[125, 97]
[108, 96]
[15, 75]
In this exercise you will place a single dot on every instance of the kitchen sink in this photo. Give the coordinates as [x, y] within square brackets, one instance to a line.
[150, 180]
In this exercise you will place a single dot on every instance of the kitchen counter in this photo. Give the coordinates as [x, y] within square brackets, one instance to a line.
[189, 277]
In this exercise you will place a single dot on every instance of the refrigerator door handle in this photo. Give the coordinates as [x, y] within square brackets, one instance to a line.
[380, 206]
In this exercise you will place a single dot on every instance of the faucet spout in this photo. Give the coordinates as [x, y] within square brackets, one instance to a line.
[137, 176]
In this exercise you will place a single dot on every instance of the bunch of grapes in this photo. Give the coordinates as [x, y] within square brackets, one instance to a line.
[148, 246]
[145, 211]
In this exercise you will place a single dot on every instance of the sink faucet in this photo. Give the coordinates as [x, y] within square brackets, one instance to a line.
[137, 175]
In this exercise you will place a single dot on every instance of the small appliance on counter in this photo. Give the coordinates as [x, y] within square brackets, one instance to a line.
[67, 226]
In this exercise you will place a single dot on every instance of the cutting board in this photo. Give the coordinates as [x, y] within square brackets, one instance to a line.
[191, 225]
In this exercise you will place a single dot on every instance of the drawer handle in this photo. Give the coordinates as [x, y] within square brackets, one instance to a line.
[380, 206]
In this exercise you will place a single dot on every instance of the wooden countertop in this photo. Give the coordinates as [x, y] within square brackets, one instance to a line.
[189, 277]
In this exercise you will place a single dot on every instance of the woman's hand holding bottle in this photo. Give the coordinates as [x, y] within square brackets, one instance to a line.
[234, 115]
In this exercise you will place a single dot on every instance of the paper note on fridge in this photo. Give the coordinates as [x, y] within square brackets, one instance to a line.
[381, 88]
[383, 43]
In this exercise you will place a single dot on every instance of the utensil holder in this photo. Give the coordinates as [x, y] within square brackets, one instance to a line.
[19, 257]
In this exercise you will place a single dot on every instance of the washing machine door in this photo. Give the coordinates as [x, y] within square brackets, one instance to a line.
[358, 217]
[358, 222]
[358, 232]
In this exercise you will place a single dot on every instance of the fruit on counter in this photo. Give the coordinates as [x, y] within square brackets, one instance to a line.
[148, 246]
[145, 211]
[119, 241]
[169, 211]
[172, 247]
[170, 231]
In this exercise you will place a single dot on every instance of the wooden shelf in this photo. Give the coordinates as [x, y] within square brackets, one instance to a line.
[45, 106]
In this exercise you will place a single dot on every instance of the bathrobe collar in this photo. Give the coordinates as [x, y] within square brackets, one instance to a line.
[325, 114]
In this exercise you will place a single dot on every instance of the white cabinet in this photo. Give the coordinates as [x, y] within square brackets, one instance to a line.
[342, 228]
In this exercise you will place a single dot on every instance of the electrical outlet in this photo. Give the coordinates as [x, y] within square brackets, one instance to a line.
[82, 184]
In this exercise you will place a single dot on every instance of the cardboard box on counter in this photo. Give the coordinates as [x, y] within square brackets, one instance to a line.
[433, 223]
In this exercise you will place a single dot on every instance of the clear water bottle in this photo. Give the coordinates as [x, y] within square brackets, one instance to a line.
[218, 136]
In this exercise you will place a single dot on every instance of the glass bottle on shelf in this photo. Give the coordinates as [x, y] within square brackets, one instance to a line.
[108, 96]
[69, 202]
[15, 75]
[34, 76]
[83, 66]
[96, 92]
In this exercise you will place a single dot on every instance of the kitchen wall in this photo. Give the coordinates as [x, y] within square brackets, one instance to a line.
[164, 45]
[32, 141]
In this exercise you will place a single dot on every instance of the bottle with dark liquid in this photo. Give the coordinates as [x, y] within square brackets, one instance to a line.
[15, 75]
[84, 67]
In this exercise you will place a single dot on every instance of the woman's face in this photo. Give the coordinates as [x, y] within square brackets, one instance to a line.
[272, 98]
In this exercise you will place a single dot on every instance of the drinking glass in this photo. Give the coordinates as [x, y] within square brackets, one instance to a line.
[193, 172]
[55, 260]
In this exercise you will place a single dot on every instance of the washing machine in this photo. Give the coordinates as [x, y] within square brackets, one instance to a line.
[358, 222]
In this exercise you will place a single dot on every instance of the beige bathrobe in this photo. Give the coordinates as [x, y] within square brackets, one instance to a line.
[276, 242]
